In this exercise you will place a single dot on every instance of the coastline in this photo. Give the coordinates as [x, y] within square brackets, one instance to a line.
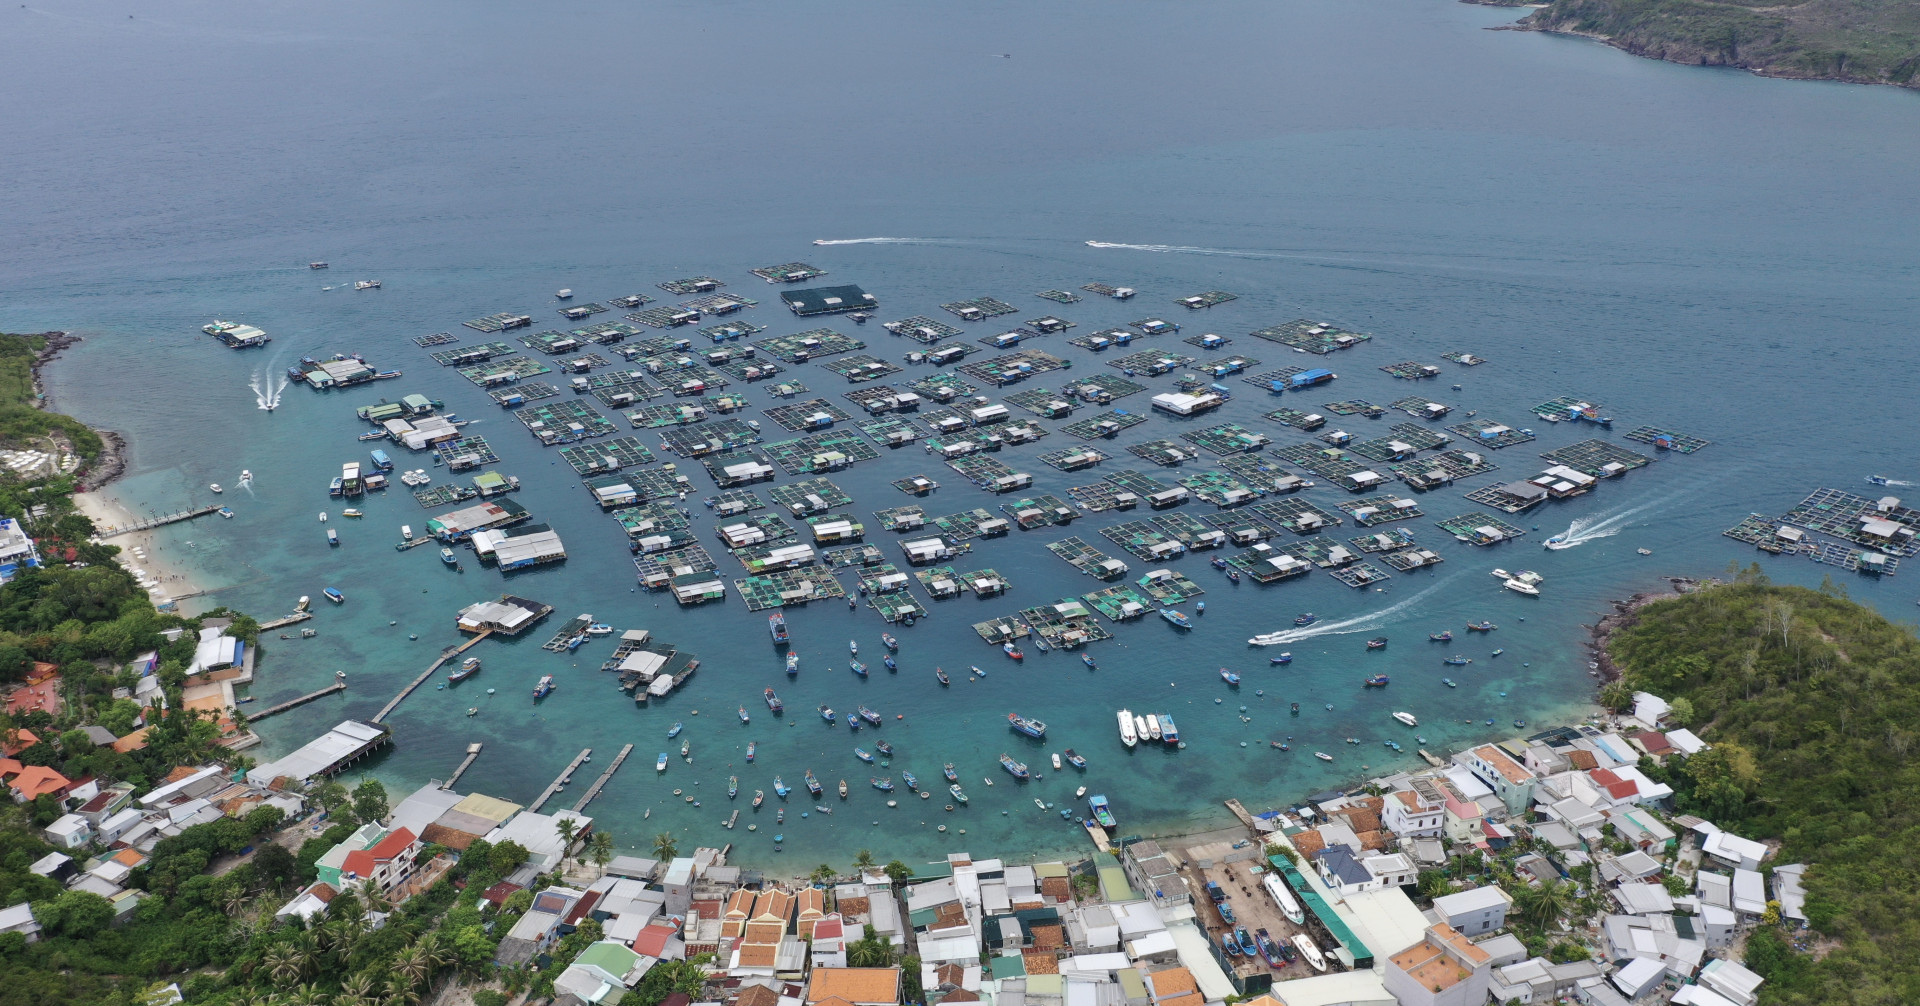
[1625, 614]
[112, 462]
[165, 581]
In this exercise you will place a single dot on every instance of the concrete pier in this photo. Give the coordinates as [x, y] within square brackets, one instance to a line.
[561, 780]
[605, 777]
[448, 654]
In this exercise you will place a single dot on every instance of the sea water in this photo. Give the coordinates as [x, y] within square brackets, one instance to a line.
[1699, 250]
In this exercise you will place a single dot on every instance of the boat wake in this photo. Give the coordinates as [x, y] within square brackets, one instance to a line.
[1586, 529]
[267, 383]
[1192, 250]
[1895, 482]
[881, 241]
[1359, 623]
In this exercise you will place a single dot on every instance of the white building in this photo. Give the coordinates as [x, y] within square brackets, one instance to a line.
[1481, 910]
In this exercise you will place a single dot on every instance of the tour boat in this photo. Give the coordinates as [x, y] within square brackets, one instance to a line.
[1014, 768]
[1077, 761]
[367, 284]
[1310, 952]
[544, 688]
[1284, 899]
[1284, 658]
[1027, 725]
[1377, 681]
[1153, 726]
[334, 595]
[1168, 732]
[1644, 551]
[777, 625]
[1306, 619]
[1229, 677]
[1179, 620]
[468, 668]
[773, 701]
[1376, 643]
[1407, 718]
[1127, 734]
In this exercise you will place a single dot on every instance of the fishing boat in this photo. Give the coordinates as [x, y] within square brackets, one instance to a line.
[1127, 734]
[885, 749]
[1481, 627]
[1027, 725]
[1457, 660]
[959, 795]
[853, 721]
[858, 667]
[1040, 644]
[686, 748]
[1269, 950]
[661, 764]
[1228, 946]
[813, 783]
[773, 701]
[1407, 718]
[1497, 651]
[1268, 639]
[1014, 768]
[544, 688]
[743, 715]
[674, 731]
[1377, 642]
[1179, 620]
[1219, 564]
[447, 556]
[1312, 953]
[826, 713]
[1284, 658]
[793, 664]
[1306, 619]
[468, 668]
[1168, 732]
[843, 789]
[1245, 938]
[1283, 899]
[1153, 726]
[333, 594]
[1377, 681]
[1102, 811]
[1229, 677]
[1441, 637]
[1323, 756]
[1225, 908]
[780, 788]
[1233, 576]
[759, 797]
[863, 754]
[883, 785]
[888, 660]
[908, 778]
[951, 775]
[1087, 659]
[977, 672]
[333, 537]
[1448, 682]
[870, 716]
[1010, 650]
[942, 676]
[733, 786]
[887, 638]
[853, 647]
[1077, 761]
[777, 625]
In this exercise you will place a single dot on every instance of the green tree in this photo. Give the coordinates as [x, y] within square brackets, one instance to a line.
[331, 796]
[863, 860]
[507, 857]
[370, 802]
[823, 874]
[568, 828]
[664, 847]
[870, 951]
[898, 872]
[600, 849]
[910, 979]
[1616, 696]
[1543, 905]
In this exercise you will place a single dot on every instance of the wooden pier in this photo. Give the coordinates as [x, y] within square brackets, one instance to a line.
[281, 623]
[732, 820]
[605, 777]
[445, 655]
[153, 522]
[473, 751]
[337, 686]
[564, 777]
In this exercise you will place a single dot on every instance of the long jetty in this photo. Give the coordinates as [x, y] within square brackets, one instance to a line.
[473, 751]
[153, 522]
[562, 779]
[445, 655]
[281, 623]
[337, 686]
[605, 777]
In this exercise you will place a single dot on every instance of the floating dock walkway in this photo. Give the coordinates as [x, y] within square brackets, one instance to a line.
[281, 623]
[337, 686]
[565, 777]
[605, 777]
[473, 752]
[153, 522]
[445, 655]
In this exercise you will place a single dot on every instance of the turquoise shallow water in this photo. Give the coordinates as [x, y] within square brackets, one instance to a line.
[1592, 224]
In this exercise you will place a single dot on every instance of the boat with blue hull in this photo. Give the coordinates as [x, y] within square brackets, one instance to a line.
[1027, 725]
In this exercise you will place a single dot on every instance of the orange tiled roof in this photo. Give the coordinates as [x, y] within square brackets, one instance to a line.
[1503, 763]
[38, 780]
[757, 995]
[1172, 982]
[1308, 843]
[1049, 938]
[960, 996]
[1057, 888]
[949, 974]
[856, 985]
[1373, 840]
[1582, 759]
[758, 955]
[1041, 962]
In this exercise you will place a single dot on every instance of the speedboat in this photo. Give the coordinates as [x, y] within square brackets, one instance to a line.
[1408, 718]
[323, 516]
[599, 629]
[1376, 643]
[1497, 651]
[216, 488]
[351, 512]
[1284, 658]
[1306, 619]
[1179, 620]
[225, 511]
[661, 764]
[1268, 639]
[1229, 677]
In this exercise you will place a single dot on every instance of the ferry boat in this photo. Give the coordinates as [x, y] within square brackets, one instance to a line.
[777, 625]
[1457, 660]
[733, 786]
[1486, 626]
[1376, 642]
[947, 770]
[773, 702]
[1102, 812]
[752, 746]
[942, 676]
[674, 731]
[1407, 718]
[826, 713]
[885, 749]
[1026, 725]
[869, 715]
[887, 638]
[1283, 899]
[1077, 761]
[1168, 732]
[333, 537]
[1310, 952]
[1306, 619]
[1323, 756]
[863, 754]
[1087, 659]
[883, 785]
[1268, 639]
[744, 718]
[660, 764]
[468, 668]
[1229, 677]
[813, 784]
[1441, 637]
[793, 664]
[544, 688]
[913, 783]
[1127, 734]
[1377, 681]
[333, 594]
[858, 667]
[225, 512]
[447, 556]
[959, 795]
[1014, 768]
[1284, 658]
[1179, 620]
[780, 788]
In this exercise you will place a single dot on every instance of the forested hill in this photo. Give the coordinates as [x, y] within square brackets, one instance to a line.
[1863, 41]
[1812, 704]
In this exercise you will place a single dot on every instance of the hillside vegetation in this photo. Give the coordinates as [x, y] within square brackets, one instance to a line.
[22, 423]
[1863, 41]
[1812, 704]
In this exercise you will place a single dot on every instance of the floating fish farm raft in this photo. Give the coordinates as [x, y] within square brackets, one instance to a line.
[1105, 425]
[631, 301]
[789, 272]
[1442, 469]
[1570, 408]
[1408, 559]
[1241, 529]
[896, 607]
[1210, 298]
[940, 582]
[1168, 586]
[1102, 339]
[879, 399]
[719, 303]
[1355, 407]
[499, 322]
[979, 308]
[848, 556]
[444, 495]
[1280, 379]
[1066, 624]
[1412, 370]
[507, 371]
[656, 483]
[709, 438]
[814, 495]
[1267, 564]
[1303, 421]
[1059, 296]
[1042, 402]
[1120, 604]
[986, 472]
[1598, 458]
[1087, 559]
[1326, 462]
[1003, 370]
[1106, 290]
[1168, 453]
[691, 285]
[809, 345]
[648, 417]
[515, 395]
[1360, 574]
[606, 333]
[800, 416]
[1478, 528]
[471, 354]
[1667, 440]
[575, 312]
[1047, 324]
[436, 339]
[821, 452]
[916, 485]
[664, 316]
[1144, 540]
[788, 586]
[465, 452]
[881, 578]
[1154, 326]
[553, 343]
[565, 422]
[1465, 359]
[895, 432]
[986, 582]
[749, 368]
[1073, 459]
[1220, 488]
[788, 388]
[659, 569]
[1312, 336]
[1838, 528]
[1489, 434]
[1002, 629]
[1421, 408]
[1100, 389]
[1046, 510]
[722, 404]
[902, 519]
[1374, 510]
[1390, 539]
[862, 368]
[617, 382]
[1227, 439]
[1207, 340]
[922, 329]
[729, 331]
[747, 465]
[649, 518]
[731, 502]
[1219, 369]
[941, 387]
[1296, 515]
[1151, 362]
[1404, 440]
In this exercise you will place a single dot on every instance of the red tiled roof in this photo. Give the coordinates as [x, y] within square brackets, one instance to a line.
[652, 941]
[38, 780]
[1307, 843]
[499, 893]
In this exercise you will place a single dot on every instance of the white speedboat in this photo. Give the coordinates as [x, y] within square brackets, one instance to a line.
[246, 475]
[1523, 581]
[1408, 718]
[216, 487]
[1268, 639]
[1128, 735]
[323, 516]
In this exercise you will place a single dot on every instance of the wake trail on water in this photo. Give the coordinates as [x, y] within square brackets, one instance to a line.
[1196, 250]
[885, 241]
[1358, 623]
[1586, 529]
[267, 383]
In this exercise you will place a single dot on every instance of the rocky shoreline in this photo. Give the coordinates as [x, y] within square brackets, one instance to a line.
[1625, 614]
[112, 462]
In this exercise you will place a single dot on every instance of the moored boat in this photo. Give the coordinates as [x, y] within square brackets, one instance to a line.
[1229, 677]
[334, 595]
[674, 731]
[885, 749]
[1457, 660]
[1014, 768]
[1102, 811]
[951, 775]
[759, 797]
[743, 714]
[908, 778]
[883, 785]
[752, 747]
[826, 713]
[1087, 659]
[813, 783]
[887, 638]
[733, 786]
[544, 688]
[1168, 732]
[661, 764]
[959, 795]
[1128, 735]
[1377, 681]
[1486, 626]
[447, 556]
[773, 701]
[853, 721]
[863, 754]
[1179, 620]
[1323, 756]
[843, 789]
[780, 788]
[1153, 726]
[1284, 658]
[942, 676]
[468, 668]
[777, 625]
[1407, 718]
[1027, 725]
[1445, 636]
[793, 664]
[1077, 761]
[858, 667]
[870, 716]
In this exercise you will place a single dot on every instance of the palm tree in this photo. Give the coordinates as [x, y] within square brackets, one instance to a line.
[412, 966]
[863, 860]
[1542, 906]
[600, 849]
[568, 828]
[307, 995]
[285, 963]
[690, 979]
[1616, 695]
[356, 990]
[664, 847]
[823, 874]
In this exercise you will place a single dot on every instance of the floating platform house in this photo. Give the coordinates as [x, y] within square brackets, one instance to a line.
[236, 335]
[519, 548]
[828, 300]
[326, 755]
[459, 525]
[340, 372]
[508, 616]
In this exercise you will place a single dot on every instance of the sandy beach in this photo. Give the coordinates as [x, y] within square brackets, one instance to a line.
[147, 561]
